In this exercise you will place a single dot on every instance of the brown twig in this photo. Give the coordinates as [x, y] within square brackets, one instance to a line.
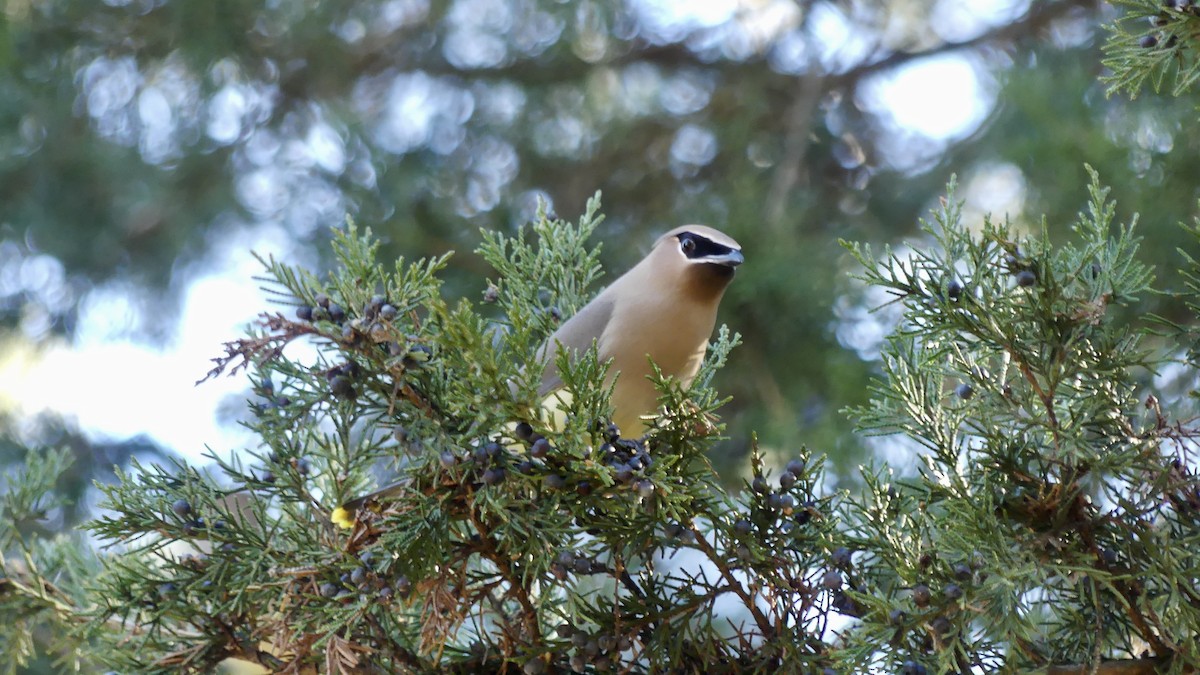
[516, 590]
[764, 624]
[262, 348]
[1129, 596]
[1045, 397]
[402, 654]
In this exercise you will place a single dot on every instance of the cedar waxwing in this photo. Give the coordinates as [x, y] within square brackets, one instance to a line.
[663, 309]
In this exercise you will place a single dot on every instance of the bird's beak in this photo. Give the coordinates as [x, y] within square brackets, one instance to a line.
[730, 259]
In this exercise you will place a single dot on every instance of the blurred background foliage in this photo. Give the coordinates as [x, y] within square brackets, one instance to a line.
[141, 138]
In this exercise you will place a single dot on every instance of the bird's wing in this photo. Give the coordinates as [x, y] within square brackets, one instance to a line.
[575, 335]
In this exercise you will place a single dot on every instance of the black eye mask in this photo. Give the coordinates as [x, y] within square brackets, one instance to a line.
[695, 246]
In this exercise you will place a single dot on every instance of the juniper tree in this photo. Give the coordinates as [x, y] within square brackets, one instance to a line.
[1054, 517]
[1049, 522]
[1052, 523]
[512, 544]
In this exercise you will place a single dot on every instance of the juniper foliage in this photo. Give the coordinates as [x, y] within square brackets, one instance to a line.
[1051, 524]
[1153, 41]
[1056, 497]
[505, 547]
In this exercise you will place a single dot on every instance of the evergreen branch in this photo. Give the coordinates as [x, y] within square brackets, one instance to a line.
[242, 353]
[1034, 535]
[1129, 667]
[1154, 41]
[529, 613]
[764, 624]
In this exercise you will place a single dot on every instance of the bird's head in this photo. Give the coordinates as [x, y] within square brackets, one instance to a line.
[705, 258]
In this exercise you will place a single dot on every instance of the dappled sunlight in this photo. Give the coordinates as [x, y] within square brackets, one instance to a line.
[115, 383]
[941, 99]
[792, 124]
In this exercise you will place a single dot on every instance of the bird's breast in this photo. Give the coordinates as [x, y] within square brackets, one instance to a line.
[673, 334]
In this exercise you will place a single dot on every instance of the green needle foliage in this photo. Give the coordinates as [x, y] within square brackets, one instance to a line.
[1154, 41]
[1051, 516]
[508, 543]
[1049, 522]
[42, 578]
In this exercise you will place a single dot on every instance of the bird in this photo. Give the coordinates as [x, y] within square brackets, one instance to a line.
[663, 309]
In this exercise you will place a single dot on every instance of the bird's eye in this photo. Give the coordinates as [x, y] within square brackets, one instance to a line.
[688, 246]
